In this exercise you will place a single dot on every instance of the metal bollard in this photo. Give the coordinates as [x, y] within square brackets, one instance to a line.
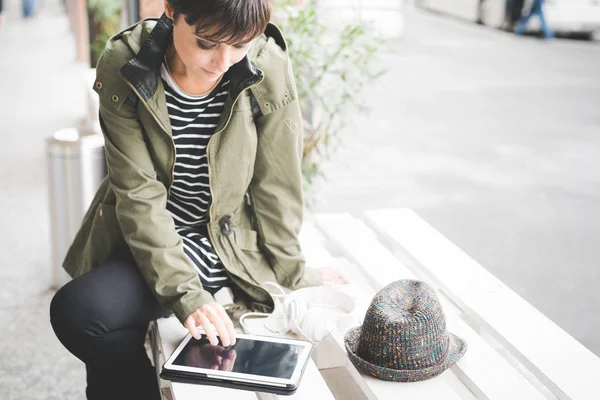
[76, 166]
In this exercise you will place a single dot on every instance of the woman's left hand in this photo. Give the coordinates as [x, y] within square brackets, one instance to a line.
[334, 275]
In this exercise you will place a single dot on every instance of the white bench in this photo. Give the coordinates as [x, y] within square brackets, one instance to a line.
[514, 352]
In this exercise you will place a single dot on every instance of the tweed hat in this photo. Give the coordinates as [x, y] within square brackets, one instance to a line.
[403, 337]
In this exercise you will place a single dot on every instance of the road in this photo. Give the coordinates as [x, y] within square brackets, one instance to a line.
[495, 141]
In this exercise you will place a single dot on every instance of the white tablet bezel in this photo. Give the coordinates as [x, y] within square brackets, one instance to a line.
[303, 356]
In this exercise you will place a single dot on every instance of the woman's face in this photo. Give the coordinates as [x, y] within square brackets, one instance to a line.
[205, 59]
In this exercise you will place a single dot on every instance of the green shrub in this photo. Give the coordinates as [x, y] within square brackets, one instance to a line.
[104, 20]
[332, 67]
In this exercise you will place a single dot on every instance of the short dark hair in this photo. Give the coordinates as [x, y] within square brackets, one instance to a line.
[230, 21]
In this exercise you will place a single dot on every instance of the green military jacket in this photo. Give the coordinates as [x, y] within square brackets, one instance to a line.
[254, 172]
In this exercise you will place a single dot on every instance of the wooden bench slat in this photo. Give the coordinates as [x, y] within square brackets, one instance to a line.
[563, 364]
[312, 386]
[496, 377]
[485, 372]
[189, 391]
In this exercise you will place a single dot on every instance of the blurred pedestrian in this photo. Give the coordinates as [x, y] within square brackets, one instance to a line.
[514, 9]
[28, 8]
[1, 14]
[512, 12]
[537, 8]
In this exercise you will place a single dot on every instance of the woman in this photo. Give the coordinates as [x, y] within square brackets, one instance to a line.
[180, 217]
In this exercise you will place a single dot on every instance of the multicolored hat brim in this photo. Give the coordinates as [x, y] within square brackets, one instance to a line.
[456, 349]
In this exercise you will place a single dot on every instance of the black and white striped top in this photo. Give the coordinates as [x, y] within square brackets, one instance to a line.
[193, 121]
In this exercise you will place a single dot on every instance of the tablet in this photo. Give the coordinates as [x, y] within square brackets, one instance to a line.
[256, 363]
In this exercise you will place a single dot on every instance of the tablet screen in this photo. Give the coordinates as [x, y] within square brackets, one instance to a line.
[254, 357]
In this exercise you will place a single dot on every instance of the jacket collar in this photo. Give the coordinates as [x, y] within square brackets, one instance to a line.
[143, 71]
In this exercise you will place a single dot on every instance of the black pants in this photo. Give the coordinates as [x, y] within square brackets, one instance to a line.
[102, 318]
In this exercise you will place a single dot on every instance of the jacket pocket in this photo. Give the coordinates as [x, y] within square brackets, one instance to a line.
[105, 235]
[246, 239]
[248, 261]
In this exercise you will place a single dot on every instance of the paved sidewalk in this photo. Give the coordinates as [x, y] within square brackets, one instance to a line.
[41, 91]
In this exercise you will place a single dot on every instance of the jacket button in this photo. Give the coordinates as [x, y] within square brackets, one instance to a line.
[225, 224]
[100, 212]
[98, 85]
[115, 98]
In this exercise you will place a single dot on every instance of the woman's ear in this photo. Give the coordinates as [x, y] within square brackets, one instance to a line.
[168, 10]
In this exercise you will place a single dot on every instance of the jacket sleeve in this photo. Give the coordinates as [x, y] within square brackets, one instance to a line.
[141, 199]
[276, 190]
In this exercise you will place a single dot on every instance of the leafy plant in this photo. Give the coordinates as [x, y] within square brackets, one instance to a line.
[104, 17]
[332, 67]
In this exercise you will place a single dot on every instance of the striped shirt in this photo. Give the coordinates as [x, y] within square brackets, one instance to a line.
[193, 121]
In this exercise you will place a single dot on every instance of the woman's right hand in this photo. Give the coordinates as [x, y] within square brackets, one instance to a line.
[212, 313]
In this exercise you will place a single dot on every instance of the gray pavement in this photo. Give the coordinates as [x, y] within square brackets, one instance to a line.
[40, 91]
[492, 139]
[495, 141]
